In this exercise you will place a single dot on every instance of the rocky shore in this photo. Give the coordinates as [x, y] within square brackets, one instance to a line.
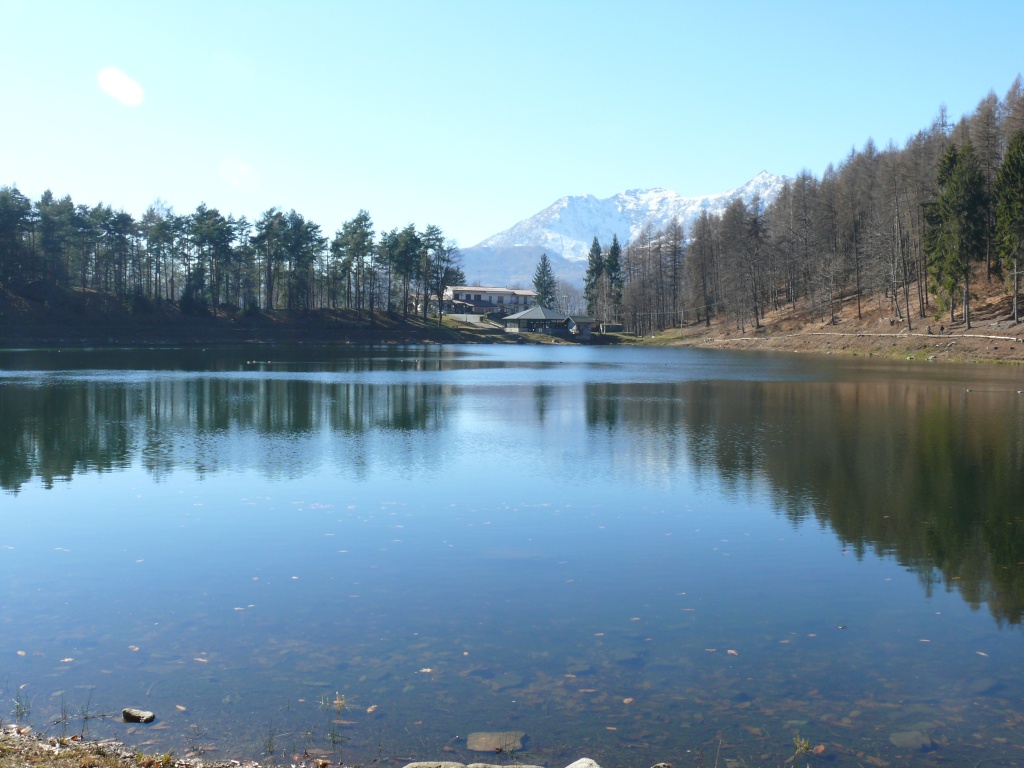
[20, 747]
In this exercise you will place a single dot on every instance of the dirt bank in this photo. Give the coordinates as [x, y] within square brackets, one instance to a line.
[992, 337]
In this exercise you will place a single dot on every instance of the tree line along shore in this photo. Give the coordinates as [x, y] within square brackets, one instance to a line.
[92, 319]
[930, 233]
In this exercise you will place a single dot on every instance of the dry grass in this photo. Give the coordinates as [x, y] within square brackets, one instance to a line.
[19, 748]
[993, 336]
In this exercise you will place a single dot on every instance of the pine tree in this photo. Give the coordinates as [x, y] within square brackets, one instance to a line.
[15, 213]
[592, 282]
[956, 224]
[613, 271]
[1009, 204]
[544, 283]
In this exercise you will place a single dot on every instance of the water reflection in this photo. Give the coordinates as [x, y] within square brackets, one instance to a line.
[72, 427]
[929, 473]
[548, 539]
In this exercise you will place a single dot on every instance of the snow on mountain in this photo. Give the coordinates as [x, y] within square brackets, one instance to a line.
[569, 225]
[566, 229]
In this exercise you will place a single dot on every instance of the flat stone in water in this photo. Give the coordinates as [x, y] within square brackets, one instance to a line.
[910, 739]
[132, 715]
[492, 741]
[435, 764]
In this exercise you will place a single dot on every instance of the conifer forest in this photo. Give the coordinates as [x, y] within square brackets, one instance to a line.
[908, 228]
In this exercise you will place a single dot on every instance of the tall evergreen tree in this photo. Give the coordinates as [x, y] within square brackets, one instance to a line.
[613, 273]
[544, 283]
[431, 249]
[1009, 205]
[356, 247]
[15, 210]
[956, 233]
[405, 252]
[592, 281]
[269, 230]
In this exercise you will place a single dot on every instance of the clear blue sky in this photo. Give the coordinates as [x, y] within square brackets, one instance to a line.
[470, 115]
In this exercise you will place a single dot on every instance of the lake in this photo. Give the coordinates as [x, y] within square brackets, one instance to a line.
[632, 554]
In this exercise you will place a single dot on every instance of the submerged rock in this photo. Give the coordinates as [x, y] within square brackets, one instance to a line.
[985, 686]
[911, 739]
[495, 741]
[132, 715]
[627, 658]
[507, 680]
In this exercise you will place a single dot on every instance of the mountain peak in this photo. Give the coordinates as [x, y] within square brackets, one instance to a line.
[568, 226]
[566, 229]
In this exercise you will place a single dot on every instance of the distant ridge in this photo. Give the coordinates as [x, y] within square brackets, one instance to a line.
[566, 228]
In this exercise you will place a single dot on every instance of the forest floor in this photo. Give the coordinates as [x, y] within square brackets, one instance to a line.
[76, 319]
[992, 337]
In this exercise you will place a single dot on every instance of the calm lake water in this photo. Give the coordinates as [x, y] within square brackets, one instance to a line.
[637, 555]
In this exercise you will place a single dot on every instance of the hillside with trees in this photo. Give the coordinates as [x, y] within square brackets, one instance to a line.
[910, 236]
[62, 262]
[928, 234]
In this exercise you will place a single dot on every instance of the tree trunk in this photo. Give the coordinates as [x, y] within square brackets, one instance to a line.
[967, 300]
[1016, 271]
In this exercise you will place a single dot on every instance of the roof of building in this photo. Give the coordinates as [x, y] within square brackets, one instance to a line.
[538, 313]
[581, 319]
[492, 289]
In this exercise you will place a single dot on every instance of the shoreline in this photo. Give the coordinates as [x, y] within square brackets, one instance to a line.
[96, 321]
[993, 346]
[965, 347]
[21, 746]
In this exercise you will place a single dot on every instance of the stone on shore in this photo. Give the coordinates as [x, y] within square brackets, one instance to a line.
[495, 741]
[132, 715]
[435, 764]
[583, 762]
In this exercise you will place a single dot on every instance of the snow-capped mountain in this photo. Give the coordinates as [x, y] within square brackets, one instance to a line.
[566, 229]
